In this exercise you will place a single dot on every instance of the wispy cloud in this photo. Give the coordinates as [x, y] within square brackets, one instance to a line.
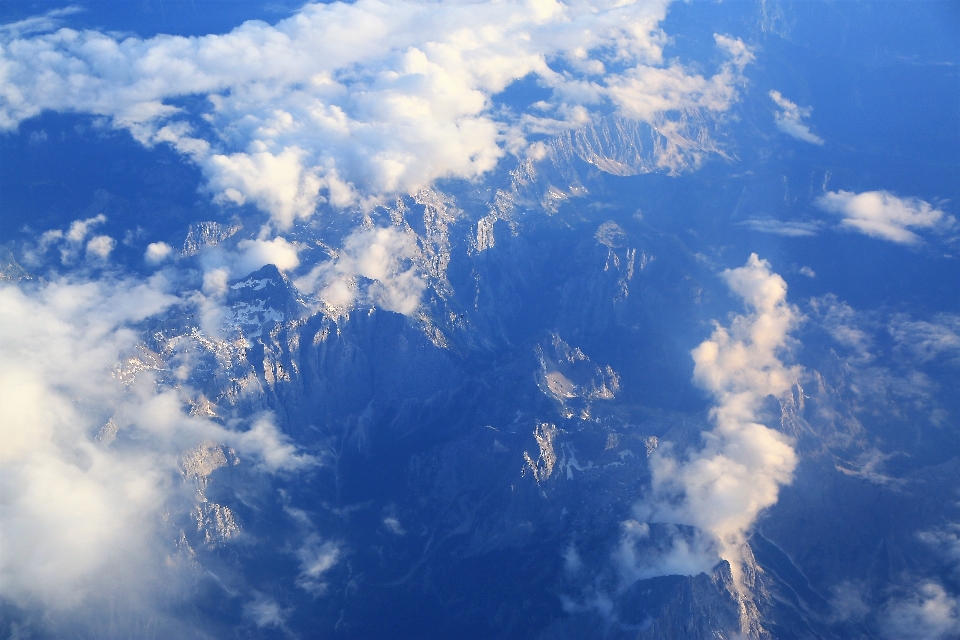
[790, 117]
[788, 228]
[880, 214]
[926, 340]
[929, 613]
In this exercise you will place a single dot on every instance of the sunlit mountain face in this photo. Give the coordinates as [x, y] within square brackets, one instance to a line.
[400, 319]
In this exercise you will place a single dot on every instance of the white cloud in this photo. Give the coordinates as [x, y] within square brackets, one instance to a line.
[880, 214]
[928, 340]
[637, 557]
[722, 488]
[316, 558]
[843, 323]
[264, 612]
[930, 613]
[86, 517]
[782, 227]
[157, 252]
[790, 119]
[100, 247]
[345, 103]
[274, 450]
[374, 265]
[254, 254]
[70, 242]
[80, 228]
[221, 265]
[38, 24]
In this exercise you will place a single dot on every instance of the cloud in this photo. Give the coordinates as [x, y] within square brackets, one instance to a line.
[346, 103]
[38, 24]
[790, 119]
[157, 252]
[880, 214]
[781, 227]
[271, 447]
[90, 463]
[100, 247]
[374, 265]
[930, 613]
[843, 324]
[220, 265]
[264, 612]
[928, 341]
[71, 242]
[316, 558]
[639, 557]
[721, 488]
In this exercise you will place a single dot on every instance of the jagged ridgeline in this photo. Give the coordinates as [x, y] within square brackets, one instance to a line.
[478, 455]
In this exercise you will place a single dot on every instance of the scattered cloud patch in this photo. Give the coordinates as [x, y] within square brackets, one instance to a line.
[393, 526]
[930, 613]
[880, 214]
[265, 612]
[721, 488]
[316, 558]
[71, 243]
[790, 117]
[843, 324]
[639, 556]
[928, 341]
[375, 265]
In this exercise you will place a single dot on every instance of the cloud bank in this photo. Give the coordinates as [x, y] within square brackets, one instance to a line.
[880, 214]
[790, 117]
[344, 103]
[91, 459]
[722, 488]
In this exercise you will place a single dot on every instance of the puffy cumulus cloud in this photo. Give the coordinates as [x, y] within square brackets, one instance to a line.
[100, 247]
[721, 488]
[157, 252]
[880, 214]
[375, 265]
[930, 613]
[71, 242]
[221, 265]
[790, 117]
[90, 463]
[253, 254]
[345, 103]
